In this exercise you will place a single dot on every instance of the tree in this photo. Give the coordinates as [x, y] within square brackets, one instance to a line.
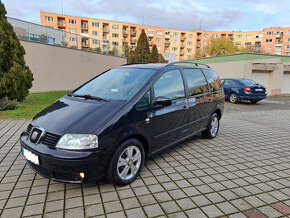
[161, 59]
[154, 55]
[221, 46]
[15, 77]
[142, 51]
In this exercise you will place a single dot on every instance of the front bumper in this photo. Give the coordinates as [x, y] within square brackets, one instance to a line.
[66, 166]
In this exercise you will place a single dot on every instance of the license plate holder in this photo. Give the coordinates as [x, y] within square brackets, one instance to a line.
[30, 156]
[259, 90]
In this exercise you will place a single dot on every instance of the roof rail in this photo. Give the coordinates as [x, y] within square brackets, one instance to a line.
[134, 63]
[187, 62]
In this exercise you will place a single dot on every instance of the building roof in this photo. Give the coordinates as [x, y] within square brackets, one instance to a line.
[247, 56]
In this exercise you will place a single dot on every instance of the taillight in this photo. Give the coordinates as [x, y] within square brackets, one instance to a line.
[247, 89]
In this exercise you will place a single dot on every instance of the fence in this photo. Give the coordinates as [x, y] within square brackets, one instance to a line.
[46, 35]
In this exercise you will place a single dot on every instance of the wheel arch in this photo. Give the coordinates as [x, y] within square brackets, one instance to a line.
[140, 138]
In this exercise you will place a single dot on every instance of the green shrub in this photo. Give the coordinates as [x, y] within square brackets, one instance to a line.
[6, 104]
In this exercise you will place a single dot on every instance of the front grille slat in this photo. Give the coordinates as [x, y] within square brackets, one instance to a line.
[49, 139]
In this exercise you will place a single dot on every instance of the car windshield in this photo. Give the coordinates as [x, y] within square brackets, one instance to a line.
[247, 82]
[116, 84]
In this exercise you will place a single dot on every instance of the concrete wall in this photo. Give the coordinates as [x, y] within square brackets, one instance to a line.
[57, 68]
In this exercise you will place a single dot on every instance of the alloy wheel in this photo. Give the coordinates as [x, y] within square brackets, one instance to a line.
[214, 126]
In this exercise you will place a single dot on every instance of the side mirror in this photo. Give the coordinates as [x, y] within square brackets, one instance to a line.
[162, 100]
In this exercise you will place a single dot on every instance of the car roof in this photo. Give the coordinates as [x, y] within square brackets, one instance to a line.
[237, 79]
[146, 66]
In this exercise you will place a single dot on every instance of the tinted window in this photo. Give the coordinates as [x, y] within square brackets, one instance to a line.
[117, 84]
[213, 80]
[247, 82]
[229, 83]
[170, 85]
[195, 81]
[145, 100]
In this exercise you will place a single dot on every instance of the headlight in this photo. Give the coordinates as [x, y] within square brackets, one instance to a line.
[78, 142]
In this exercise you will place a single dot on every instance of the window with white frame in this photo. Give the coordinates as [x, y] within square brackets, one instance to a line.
[205, 35]
[175, 34]
[189, 36]
[248, 43]
[158, 40]
[269, 33]
[214, 36]
[150, 31]
[287, 53]
[239, 36]
[189, 43]
[115, 43]
[96, 42]
[248, 36]
[72, 21]
[115, 27]
[269, 40]
[158, 48]
[287, 46]
[95, 24]
[174, 49]
[288, 32]
[48, 18]
[72, 39]
[175, 42]
[96, 33]
[159, 32]
[288, 40]
[238, 43]
[205, 42]
[115, 35]
[268, 47]
[73, 30]
[189, 50]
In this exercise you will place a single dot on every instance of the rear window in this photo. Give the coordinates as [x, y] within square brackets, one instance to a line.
[248, 82]
[213, 80]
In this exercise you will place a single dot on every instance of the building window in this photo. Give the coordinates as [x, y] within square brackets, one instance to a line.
[205, 35]
[248, 36]
[72, 21]
[72, 30]
[288, 40]
[96, 33]
[189, 43]
[115, 43]
[159, 32]
[288, 32]
[151, 31]
[214, 36]
[189, 36]
[158, 40]
[115, 27]
[268, 40]
[174, 49]
[238, 43]
[72, 39]
[175, 34]
[175, 42]
[205, 49]
[268, 47]
[239, 36]
[188, 57]
[115, 35]
[269, 33]
[48, 19]
[205, 43]
[287, 53]
[248, 43]
[189, 50]
[96, 42]
[158, 48]
[287, 46]
[95, 24]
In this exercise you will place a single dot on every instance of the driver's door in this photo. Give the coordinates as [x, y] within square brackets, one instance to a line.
[168, 123]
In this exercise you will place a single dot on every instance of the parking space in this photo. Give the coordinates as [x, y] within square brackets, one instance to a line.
[244, 172]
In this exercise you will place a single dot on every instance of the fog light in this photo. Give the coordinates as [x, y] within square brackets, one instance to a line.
[82, 175]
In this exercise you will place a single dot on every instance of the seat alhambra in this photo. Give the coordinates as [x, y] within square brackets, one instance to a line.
[107, 127]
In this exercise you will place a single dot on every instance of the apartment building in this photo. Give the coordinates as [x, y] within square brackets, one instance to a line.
[106, 35]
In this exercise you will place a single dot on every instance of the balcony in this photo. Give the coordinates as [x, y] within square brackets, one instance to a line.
[133, 32]
[125, 39]
[258, 39]
[133, 40]
[84, 25]
[278, 44]
[198, 45]
[198, 38]
[182, 38]
[279, 35]
[61, 24]
[85, 35]
[167, 44]
[85, 45]
[125, 32]
[167, 36]
[106, 29]
[150, 43]
[181, 45]
[150, 34]
[181, 53]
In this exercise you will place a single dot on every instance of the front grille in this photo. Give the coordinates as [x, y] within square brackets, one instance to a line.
[48, 139]
[58, 175]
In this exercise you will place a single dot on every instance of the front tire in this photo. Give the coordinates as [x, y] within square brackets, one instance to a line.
[212, 127]
[234, 98]
[126, 163]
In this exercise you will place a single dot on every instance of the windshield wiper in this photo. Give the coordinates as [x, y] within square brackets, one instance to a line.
[88, 96]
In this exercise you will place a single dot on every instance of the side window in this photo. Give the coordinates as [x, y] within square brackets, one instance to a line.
[170, 85]
[229, 83]
[195, 81]
[213, 80]
[145, 101]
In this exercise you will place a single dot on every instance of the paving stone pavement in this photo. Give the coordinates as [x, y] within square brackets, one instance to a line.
[244, 172]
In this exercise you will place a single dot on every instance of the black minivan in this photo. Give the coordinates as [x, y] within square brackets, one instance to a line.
[108, 126]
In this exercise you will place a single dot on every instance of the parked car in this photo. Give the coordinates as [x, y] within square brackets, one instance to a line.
[107, 127]
[243, 89]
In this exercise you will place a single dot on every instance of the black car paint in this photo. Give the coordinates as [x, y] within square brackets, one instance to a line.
[117, 121]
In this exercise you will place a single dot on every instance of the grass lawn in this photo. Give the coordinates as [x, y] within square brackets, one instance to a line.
[34, 103]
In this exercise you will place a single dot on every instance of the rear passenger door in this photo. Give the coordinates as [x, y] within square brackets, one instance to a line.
[198, 97]
[228, 85]
[168, 123]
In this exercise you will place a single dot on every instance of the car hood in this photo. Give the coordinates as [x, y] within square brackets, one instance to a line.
[68, 115]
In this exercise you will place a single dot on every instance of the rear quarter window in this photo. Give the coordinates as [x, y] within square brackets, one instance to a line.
[195, 81]
[213, 80]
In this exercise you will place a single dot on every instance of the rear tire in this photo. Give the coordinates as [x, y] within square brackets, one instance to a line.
[234, 98]
[126, 163]
[212, 127]
[254, 101]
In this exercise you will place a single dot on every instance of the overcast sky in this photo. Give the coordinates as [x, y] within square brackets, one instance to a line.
[219, 15]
